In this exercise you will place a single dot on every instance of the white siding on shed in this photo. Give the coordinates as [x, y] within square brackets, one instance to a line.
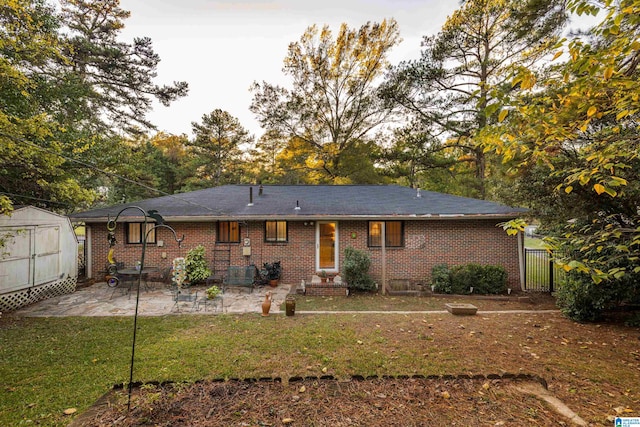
[39, 257]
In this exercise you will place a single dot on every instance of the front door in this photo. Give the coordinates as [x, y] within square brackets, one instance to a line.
[327, 246]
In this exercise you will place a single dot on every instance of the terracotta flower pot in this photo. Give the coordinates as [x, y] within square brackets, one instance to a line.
[273, 283]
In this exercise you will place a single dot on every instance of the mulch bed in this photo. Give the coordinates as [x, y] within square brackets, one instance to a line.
[322, 402]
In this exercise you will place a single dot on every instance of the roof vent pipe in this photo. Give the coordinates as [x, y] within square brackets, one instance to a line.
[250, 196]
[297, 205]
[418, 195]
[260, 190]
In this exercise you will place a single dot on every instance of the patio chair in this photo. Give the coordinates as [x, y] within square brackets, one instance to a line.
[241, 276]
[163, 276]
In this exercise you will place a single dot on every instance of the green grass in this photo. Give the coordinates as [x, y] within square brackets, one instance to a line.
[372, 302]
[538, 272]
[533, 243]
[50, 364]
[367, 302]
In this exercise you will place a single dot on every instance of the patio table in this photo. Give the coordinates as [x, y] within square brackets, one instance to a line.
[131, 275]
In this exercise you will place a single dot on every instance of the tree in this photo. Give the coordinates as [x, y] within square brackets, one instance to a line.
[263, 166]
[296, 163]
[333, 105]
[168, 158]
[454, 89]
[118, 75]
[217, 149]
[576, 128]
[29, 50]
[417, 159]
[68, 88]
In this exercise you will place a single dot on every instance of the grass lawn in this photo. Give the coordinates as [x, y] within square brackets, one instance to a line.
[533, 243]
[372, 302]
[50, 364]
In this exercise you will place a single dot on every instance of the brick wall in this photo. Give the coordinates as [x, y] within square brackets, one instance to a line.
[427, 243]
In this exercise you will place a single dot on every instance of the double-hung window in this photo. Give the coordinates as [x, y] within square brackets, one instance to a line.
[228, 232]
[276, 231]
[394, 233]
[135, 232]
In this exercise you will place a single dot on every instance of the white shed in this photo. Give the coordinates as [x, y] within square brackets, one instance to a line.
[39, 257]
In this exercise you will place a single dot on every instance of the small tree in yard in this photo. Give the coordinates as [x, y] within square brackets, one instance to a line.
[196, 265]
[356, 267]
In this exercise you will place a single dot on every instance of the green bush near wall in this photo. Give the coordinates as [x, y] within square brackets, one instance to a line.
[356, 270]
[196, 265]
[459, 279]
[441, 279]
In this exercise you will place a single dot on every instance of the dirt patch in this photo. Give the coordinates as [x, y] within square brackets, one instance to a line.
[320, 402]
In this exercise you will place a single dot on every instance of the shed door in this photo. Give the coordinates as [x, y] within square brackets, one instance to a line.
[47, 254]
[15, 258]
[31, 256]
[327, 246]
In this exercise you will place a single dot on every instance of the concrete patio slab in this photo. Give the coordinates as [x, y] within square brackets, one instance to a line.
[101, 300]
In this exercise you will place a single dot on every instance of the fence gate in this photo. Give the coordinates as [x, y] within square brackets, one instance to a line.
[541, 273]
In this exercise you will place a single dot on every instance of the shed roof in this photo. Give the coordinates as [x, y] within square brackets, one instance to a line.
[307, 202]
[24, 215]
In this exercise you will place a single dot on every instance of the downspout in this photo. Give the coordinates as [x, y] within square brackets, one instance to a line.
[88, 264]
[384, 258]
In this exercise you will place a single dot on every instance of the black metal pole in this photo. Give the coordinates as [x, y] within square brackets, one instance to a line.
[111, 225]
[135, 317]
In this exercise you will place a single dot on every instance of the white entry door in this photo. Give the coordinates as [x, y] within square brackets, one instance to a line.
[327, 246]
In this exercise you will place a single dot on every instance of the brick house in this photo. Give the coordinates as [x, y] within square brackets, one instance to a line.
[307, 228]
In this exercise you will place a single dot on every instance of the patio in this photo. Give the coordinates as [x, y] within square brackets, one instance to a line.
[101, 300]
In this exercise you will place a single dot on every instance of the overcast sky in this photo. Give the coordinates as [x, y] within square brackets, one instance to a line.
[221, 46]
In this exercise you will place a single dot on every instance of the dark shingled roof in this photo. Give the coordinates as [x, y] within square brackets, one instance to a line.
[314, 202]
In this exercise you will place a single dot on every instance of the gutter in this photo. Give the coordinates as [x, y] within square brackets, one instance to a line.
[384, 217]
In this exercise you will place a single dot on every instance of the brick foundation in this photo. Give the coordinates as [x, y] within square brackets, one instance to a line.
[327, 289]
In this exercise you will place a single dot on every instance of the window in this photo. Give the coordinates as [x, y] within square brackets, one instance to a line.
[135, 235]
[228, 232]
[394, 232]
[275, 231]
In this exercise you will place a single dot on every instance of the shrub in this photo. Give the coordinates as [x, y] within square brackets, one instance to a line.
[464, 277]
[441, 279]
[196, 265]
[579, 298]
[356, 268]
[485, 279]
[494, 280]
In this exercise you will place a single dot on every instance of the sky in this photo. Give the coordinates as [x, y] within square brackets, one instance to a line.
[220, 47]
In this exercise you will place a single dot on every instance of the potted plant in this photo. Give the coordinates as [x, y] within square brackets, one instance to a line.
[213, 292]
[323, 275]
[274, 270]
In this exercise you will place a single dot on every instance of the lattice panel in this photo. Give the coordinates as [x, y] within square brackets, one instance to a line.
[16, 300]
